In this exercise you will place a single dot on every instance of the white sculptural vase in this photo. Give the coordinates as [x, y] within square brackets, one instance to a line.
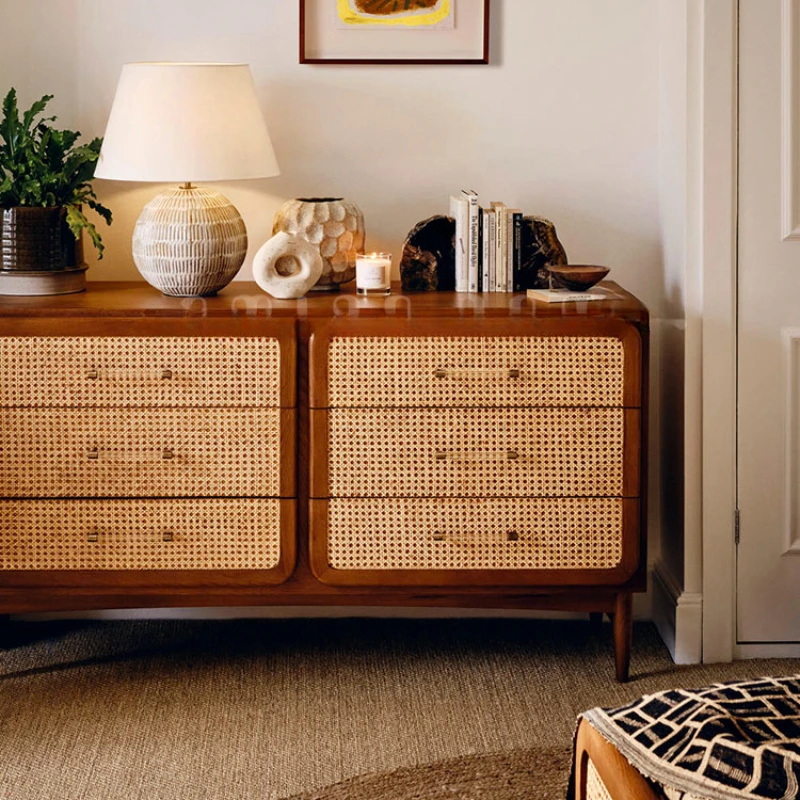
[287, 266]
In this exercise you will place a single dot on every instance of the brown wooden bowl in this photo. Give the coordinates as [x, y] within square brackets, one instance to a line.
[577, 277]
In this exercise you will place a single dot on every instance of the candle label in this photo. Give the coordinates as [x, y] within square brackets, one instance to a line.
[373, 272]
[372, 276]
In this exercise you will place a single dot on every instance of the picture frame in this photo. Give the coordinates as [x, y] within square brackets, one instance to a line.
[443, 32]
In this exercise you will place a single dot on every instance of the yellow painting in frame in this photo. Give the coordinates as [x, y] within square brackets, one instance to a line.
[396, 13]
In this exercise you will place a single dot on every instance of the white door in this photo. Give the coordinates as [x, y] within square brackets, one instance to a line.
[768, 450]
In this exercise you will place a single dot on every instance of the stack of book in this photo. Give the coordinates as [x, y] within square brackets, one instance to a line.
[488, 245]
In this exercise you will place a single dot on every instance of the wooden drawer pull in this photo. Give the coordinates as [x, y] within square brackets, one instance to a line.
[155, 375]
[446, 455]
[167, 454]
[477, 373]
[94, 536]
[441, 536]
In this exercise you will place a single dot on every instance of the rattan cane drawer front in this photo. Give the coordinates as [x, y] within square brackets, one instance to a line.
[236, 534]
[142, 452]
[478, 535]
[499, 452]
[473, 371]
[595, 788]
[139, 371]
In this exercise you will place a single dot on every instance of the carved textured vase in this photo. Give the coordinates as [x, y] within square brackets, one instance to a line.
[334, 226]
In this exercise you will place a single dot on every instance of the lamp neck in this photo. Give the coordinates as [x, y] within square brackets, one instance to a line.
[187, 185]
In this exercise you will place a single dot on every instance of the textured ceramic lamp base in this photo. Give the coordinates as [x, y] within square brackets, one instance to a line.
[189, 242]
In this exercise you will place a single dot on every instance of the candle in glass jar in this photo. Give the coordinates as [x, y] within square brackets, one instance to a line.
[373, 273]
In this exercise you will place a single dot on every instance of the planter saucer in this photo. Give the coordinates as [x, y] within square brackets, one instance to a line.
[32, 284]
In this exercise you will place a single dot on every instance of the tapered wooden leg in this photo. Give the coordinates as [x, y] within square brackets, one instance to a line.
[623, 631]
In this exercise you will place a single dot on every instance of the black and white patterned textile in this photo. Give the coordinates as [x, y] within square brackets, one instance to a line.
[729, 740]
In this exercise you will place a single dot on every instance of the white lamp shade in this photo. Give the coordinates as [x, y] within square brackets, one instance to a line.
[182, 122]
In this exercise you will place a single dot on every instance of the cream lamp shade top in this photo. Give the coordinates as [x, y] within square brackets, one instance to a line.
[186, 122]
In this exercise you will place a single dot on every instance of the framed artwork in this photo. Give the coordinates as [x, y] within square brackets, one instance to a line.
[394, 31]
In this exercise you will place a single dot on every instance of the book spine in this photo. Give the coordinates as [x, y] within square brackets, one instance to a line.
[518, 251]
[492, 250]
[564, 296]
[509, 251]
[473, 241]
[481, 247]
[499, 250]
[486, 242]
[458, 211]
[502, 250]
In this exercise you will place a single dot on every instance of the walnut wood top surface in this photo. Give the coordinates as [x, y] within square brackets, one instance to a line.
[245, 299]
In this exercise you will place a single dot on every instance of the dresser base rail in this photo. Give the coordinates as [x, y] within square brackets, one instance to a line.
[614, 602]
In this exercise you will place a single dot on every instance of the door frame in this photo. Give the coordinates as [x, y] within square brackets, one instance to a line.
[711, 350]
[712, 319]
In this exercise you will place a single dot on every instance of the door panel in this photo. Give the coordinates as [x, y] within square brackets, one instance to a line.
[768, 555]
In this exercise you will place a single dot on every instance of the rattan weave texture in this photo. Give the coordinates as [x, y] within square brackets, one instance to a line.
[139, 534]
[139, 371]
[474, 534]
[373, 371]
[122, 452]
[502, 452]
[595, 788]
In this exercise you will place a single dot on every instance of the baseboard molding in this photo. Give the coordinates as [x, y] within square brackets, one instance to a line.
[766, 650]
[678, 616]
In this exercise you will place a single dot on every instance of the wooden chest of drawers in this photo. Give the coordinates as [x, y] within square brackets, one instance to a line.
[505, 452]
[429, 450]
[147, 457]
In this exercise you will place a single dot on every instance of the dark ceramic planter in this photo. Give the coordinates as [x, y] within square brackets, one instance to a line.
[38, 253]
[37, 240]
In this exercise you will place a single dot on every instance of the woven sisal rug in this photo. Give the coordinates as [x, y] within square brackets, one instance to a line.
[536, 774]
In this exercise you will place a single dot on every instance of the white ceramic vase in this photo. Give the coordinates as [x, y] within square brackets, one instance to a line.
[334, 226]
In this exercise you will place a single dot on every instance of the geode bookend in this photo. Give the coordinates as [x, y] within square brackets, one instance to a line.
[540, 247]
[428, 262]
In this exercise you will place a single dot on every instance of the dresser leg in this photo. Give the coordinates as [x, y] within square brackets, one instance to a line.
[623, 630]
[5, 630]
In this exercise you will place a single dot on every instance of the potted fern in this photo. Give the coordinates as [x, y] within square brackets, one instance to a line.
[45, 185]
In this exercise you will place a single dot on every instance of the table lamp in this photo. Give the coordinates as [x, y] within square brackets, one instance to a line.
[187, 122]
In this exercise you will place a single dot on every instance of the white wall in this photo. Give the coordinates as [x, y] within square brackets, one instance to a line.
[563, 123]
[37, 55]
[672, 168]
